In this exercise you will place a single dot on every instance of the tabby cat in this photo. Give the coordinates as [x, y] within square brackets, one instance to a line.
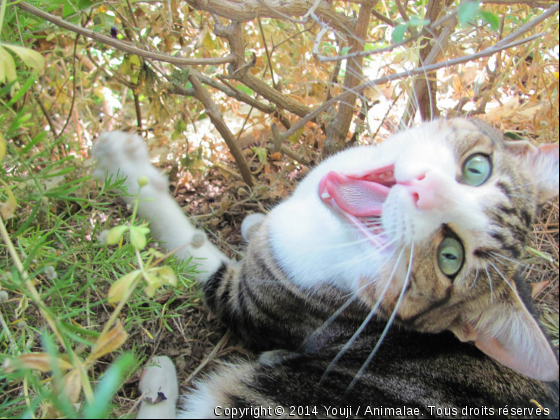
[386, 286]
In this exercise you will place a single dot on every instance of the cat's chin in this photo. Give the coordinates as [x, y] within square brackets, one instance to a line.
[359, 198]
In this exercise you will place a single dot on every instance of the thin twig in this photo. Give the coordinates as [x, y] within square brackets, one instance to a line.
[397, 76]
[402, 11]
[120, 45]
[138, 110]
[74, 84]
[211, 356]
[391, 47]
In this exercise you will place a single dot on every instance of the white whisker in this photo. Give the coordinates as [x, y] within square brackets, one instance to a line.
[503, 277]
[476, 278]
[389, 323]
[490, 282]
[364, 324]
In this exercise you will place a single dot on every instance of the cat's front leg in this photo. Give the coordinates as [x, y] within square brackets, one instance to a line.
[126, 155]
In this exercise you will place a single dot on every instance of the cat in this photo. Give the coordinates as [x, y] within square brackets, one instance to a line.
[388, 281]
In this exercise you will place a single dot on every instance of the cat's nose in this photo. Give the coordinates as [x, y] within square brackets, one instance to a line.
[427, 190]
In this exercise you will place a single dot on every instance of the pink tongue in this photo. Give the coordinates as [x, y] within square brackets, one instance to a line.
[354, 196]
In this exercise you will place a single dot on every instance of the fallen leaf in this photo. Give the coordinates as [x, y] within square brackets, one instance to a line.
[108, 342]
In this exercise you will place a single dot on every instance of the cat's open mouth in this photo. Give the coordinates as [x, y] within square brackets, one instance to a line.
[359, 197]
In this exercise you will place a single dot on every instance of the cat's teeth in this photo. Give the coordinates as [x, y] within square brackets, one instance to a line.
[325, 196]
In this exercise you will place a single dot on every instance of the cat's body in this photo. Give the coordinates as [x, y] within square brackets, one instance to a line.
[363, 243]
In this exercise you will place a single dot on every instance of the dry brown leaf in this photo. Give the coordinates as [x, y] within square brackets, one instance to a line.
[72, 385]
[42, 362]
[109, 342]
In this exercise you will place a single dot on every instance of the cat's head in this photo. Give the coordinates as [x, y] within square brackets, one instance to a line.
[436, 218]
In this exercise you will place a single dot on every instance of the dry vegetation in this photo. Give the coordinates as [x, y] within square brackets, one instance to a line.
[237, 102]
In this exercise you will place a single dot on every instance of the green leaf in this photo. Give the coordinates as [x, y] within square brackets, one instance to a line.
[167, 275]
[398, 33]
[116, 234]
[7, 66]
[31, 58]
[138, 236]
[261, 153]
[110, 383]
[153, 283]
[244, 89]
[491, 18]
[416, 21]
[28, 83]
[467, 11]
[512, 135]
[120, 288]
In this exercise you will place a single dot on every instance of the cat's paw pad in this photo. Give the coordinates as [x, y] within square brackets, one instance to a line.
[127, 155]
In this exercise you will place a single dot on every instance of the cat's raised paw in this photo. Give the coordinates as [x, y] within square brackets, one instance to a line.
[126, 155]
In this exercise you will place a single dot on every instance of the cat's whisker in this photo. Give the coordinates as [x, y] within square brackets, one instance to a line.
[366, 256]
[357, 242]
[328, 322]
[364, 324]
[504, 278]
[503, 257]
[373, 281]
[490, 283]
[476, 278]
[388, 326]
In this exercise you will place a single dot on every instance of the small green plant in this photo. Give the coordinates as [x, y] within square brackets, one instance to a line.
[55, 276]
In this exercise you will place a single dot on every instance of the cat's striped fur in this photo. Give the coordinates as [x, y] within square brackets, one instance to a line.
[420, 363]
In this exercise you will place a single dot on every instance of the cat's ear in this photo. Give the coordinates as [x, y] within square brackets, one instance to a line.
[509, 334]
[542, 163]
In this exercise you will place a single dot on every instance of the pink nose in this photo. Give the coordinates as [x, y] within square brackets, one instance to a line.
[426, 190]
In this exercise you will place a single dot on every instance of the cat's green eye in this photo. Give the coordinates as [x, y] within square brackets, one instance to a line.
[451, 256]
[477, 170]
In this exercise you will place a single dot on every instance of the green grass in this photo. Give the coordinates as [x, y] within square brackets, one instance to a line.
[55, 276]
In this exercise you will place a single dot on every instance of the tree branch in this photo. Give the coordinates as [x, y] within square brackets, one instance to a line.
[272, 95]
[338, 128]
[242, 11]
[215, 116]
[425, 88]
[397, 76]
[423, 32]
[532, 3]
[240, 71]
[120, 45]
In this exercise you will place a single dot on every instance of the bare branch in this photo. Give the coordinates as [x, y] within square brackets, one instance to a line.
[402, 11]
[337, 129]
[532, 3]
[425, 88]
[242, 11]
[272, 95]
[383, 18]
[138, 110]
[397, 76]
[215, 116]
[232, 92]
[120, 45]
[239, 71]
[426, 30]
